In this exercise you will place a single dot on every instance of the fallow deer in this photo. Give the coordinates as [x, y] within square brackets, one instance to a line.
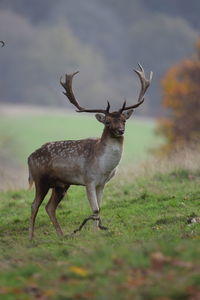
[88, 162]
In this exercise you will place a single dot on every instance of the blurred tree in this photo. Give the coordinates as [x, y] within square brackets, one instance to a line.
[181, 96]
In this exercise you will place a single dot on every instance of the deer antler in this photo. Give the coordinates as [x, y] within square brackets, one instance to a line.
[67, 85]
[2, 43]
[144, 86]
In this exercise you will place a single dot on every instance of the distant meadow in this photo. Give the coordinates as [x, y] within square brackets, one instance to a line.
[29, 132]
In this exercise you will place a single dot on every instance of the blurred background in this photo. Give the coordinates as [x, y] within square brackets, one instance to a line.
[104, 40]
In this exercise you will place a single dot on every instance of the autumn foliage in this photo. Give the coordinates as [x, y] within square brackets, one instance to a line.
[181, 97]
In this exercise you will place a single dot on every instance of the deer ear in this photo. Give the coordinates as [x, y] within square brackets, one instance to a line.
[101, 118]
[128, 113]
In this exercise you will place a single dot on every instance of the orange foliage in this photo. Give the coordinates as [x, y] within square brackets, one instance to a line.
[181, 96]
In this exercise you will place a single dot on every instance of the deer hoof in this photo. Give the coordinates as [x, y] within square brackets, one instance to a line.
[103, 227]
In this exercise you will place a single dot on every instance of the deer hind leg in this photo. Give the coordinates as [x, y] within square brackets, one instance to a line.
[41, 189]
[58, 194]
[92, 197]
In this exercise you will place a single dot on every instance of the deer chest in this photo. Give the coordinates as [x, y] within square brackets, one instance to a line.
[110, 158]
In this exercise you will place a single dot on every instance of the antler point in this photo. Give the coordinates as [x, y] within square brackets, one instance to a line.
[151, 76]
[108, 107]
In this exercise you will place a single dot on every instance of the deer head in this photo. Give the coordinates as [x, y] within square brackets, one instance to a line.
[114, 121]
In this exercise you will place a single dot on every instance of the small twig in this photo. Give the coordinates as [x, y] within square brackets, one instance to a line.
[101, 226]
[94, 218]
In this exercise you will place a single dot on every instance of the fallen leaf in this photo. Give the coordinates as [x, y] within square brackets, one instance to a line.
[135, 282]
[10, 290]
[34, 290]
[16, 291]
[163, 298]
[84, 296]
[79, 271]
[191, 177]
[180, 263]
[64, 278]
[194, 293]
[48, 293]
[36, 276]
[117, 261]
[195, 220]
[61, 263]
[158, 260]
[4, 290]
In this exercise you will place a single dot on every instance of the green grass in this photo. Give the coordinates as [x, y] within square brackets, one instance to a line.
[149, 251]
[30, 132]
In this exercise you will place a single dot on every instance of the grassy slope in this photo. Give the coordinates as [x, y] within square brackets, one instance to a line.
[30, 132]
[149, 251]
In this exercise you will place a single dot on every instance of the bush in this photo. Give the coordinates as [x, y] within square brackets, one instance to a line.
[181, 97]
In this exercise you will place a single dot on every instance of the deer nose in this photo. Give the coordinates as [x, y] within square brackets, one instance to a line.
[120, 131]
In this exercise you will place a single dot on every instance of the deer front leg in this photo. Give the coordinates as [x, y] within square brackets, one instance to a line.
[92, 197]
[99, 193]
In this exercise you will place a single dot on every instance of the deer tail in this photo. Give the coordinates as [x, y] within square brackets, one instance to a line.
[30, 179]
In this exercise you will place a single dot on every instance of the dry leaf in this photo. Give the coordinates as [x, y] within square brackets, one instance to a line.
[135, 282]
[33, 290]
[87, 295]
[79, 271]
[4, 290]
[158, 260]
[184, 264]
[64, 278]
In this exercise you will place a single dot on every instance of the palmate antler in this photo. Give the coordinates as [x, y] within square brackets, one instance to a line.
[67, 85]
[145, 83]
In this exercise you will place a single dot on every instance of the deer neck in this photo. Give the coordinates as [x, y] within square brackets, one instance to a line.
[110, 148]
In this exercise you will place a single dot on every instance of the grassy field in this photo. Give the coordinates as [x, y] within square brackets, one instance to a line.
[151, 250]
[30, 132]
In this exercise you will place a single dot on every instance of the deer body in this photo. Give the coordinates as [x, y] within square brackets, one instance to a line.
[72, 162]
[88, 162]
